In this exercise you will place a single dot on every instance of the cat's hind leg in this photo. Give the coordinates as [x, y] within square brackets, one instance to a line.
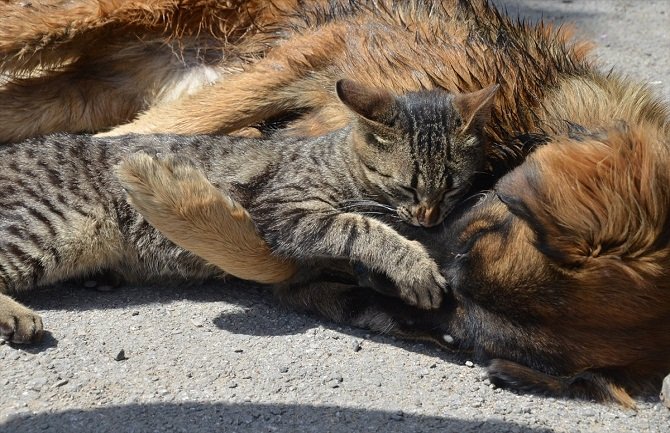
[178, 200]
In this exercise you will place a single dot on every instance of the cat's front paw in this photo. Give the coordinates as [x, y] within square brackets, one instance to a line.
[422, 285]
[18, 324]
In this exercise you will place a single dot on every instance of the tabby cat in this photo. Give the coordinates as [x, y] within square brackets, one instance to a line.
[63, 213]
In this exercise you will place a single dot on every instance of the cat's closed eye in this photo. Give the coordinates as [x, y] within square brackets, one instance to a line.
[373, 169]
[410, 192]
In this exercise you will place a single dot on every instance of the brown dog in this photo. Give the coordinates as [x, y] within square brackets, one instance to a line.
[559, 277]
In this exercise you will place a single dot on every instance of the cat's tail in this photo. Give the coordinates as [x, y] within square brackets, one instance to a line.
[175, 197]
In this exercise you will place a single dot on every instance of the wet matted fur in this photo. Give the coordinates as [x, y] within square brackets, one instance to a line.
[558, 276]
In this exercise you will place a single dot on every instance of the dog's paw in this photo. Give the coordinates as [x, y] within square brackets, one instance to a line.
[18, 324]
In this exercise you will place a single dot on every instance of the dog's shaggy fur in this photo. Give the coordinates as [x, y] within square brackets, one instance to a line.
[559, 275]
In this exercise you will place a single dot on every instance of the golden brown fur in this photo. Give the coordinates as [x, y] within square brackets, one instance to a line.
[560, 277]
[146, 53]
[570, 263]
[198, 216]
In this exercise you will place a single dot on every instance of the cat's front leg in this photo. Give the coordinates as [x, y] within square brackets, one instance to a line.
[369, 241]
[18, 324]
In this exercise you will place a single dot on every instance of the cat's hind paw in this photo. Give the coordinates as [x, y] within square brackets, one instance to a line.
[18, 324]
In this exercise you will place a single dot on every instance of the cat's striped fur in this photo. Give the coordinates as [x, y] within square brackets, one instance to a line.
[63, 213]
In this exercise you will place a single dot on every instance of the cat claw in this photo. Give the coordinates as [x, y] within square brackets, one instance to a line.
[426, 289]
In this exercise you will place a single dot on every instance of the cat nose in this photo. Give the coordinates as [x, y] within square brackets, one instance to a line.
[427, 216]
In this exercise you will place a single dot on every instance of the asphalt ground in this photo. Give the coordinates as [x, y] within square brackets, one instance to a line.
[226, 357]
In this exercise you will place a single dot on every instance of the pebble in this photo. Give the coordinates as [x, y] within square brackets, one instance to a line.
[356, 346]
[198, 323]
[588, 412]
[60, 383]
[283, 370]
[334, 381]
[121, 356]
[398, 416]
[665, 392]
[37, 383]
[469, 364]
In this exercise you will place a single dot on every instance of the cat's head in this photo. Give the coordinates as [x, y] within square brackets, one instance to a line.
[419, 151]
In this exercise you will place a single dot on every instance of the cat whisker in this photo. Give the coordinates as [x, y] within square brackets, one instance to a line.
[364, 203]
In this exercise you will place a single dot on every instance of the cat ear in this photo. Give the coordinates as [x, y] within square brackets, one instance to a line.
[376, 105]
[475, 107]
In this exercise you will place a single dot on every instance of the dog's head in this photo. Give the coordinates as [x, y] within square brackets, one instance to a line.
[564, 267]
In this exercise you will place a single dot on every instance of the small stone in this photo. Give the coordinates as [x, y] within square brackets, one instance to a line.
[37, 383]
[135, 313]
[665, 392]
[60, 383]
[198, 323]
[283, 370]
[90, 284]
[2, 341]
[232, 385]
[238, 350]
[356, 346]
[121, 356]
[398, 416]
[469, 364]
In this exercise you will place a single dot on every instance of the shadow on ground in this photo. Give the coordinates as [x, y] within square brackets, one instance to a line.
[259, 312]
[257, 418]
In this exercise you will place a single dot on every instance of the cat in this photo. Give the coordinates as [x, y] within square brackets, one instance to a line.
[408, 157]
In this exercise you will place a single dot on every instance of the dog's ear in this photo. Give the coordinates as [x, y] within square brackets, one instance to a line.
[375, 105]
[475, 108]
[527, 193]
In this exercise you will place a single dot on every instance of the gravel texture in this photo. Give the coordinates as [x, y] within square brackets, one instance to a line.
[226, 357]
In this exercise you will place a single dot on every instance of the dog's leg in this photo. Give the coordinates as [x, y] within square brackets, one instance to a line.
[62, 102]
[286, 81]
[177, 199]
[95, 93]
